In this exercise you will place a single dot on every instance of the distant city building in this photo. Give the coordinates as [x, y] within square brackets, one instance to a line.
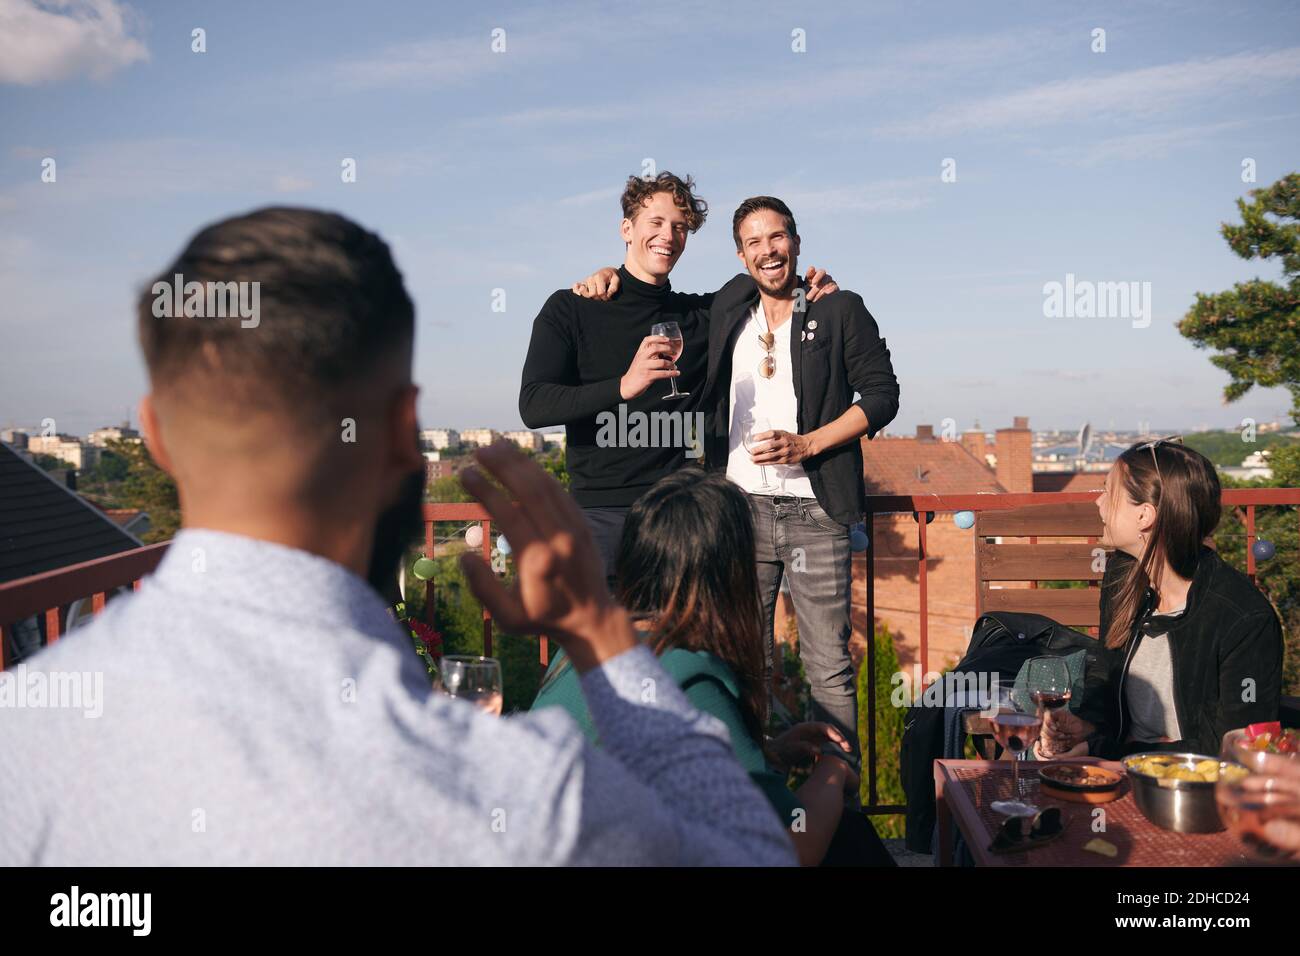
[1255, 465]
[435, 468]
[14, 436]
[100, 437]
[67, 448]
[528, 441]
[440, 438]
[554, 439]
[479, 436]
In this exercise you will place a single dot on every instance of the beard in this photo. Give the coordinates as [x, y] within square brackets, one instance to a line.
[395, 529]
[785, 288]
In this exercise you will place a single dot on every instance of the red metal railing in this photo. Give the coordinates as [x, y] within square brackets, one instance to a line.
[49, 594]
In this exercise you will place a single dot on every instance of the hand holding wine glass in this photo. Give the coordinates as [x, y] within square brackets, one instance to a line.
[673, 351]
[648, 366]
[750, 429]
[476, 680]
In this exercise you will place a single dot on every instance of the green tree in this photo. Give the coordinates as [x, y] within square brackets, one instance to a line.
[1279, 576]
[48, 462]
[448, 489]
[1255, 326]
[889, 734]
[148, 488]
[1226, 448]
[555, 465]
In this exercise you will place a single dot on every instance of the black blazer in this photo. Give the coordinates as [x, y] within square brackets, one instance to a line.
[845, 355]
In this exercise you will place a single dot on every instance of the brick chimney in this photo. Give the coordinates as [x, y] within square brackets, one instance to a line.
[977, 443]
[925, 433]
[1015, 456]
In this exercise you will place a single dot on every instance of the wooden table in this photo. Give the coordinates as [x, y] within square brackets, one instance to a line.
[963, 790]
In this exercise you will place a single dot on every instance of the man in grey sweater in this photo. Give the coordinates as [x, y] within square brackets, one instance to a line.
[257, 704]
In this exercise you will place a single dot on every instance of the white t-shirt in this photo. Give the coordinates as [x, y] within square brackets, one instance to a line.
[753, 396]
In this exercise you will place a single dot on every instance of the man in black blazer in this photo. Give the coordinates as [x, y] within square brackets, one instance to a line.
[798, 382]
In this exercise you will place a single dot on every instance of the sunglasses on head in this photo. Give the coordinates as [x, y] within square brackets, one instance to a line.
[1167, 440]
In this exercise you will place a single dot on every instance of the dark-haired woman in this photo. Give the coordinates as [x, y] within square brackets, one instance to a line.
[1195, 648]
[686, 572]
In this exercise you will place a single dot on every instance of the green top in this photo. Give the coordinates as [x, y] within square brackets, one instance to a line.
[711, 687]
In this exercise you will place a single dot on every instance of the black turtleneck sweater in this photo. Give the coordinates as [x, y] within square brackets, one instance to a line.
[579, 352]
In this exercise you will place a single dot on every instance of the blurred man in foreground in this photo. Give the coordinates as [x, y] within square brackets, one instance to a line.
[259, 704]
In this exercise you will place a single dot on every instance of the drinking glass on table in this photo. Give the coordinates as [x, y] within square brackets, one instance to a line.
[749, 428]
[473, 679]
[1015, 727]
[671, 331]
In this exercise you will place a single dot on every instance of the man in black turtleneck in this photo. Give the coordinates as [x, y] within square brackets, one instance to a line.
[589, 357]
[593, 366]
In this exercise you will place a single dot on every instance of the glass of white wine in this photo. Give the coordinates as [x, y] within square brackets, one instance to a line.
[671, 331]
[749, 428]
[473, 679]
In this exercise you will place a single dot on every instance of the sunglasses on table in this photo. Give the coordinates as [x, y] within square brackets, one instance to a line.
[1017, 834]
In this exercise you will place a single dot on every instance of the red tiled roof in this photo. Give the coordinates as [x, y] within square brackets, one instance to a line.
[1069, 480]
[912, 466]
[123, 516]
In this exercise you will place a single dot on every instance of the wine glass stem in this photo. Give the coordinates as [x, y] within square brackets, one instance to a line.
[763, 470]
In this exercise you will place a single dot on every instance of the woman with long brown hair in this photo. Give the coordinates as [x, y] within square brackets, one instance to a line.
[686, 571]
[1195, 648]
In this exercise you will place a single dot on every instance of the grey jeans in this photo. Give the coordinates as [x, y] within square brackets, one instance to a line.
[795, 536]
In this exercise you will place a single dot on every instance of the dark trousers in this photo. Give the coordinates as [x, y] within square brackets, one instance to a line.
[606, 526]
[800, 542]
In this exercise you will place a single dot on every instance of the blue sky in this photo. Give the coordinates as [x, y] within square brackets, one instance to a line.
[502, 170]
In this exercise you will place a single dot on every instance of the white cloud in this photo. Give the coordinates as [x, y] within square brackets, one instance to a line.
[1134, 93]
[593, 196]
[893, 195]
[52, 40]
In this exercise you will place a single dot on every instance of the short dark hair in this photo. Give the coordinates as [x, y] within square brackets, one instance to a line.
[756, 203]
[641, 188]
[331, 304]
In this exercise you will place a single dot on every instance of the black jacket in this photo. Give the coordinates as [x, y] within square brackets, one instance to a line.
[1225, 646]
[845, 355]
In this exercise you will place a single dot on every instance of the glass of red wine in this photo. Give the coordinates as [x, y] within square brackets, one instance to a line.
[1048, 681]
[673, 333]
[1015, 727]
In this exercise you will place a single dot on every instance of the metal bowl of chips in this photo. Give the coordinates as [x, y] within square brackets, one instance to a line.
[1175, 791]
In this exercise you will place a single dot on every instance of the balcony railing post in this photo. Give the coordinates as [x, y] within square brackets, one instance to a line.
[430, 594]
[487, 615]
[871, 657]
[1250, 542]
[921, 521]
